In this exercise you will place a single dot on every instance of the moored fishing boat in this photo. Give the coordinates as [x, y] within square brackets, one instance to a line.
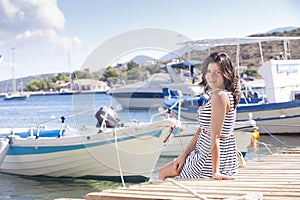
[281, 112]
[108, 151]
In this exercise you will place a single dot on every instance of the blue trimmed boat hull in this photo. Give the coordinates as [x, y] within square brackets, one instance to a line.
[132, 150]
[271, 117]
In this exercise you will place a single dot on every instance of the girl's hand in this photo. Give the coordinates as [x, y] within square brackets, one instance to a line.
[179, 162]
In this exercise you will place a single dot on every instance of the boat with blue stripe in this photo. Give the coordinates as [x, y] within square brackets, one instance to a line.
[129, 150]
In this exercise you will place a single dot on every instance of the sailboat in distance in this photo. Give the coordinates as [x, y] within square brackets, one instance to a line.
[14, 94]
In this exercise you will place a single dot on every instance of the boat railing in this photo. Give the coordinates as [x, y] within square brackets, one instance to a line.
[40, 126]
[164, 112]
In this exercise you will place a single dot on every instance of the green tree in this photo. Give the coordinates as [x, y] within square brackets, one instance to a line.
[252, 72]
[60, 77]
[111, 73]
[46, 84]
[131, 65]
[153, 68]
[31, 87]
[134, 74]
[81, 75]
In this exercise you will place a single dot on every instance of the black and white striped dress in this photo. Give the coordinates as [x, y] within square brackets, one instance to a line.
[198, 162]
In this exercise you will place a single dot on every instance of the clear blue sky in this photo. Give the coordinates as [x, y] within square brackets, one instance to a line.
[42, 31]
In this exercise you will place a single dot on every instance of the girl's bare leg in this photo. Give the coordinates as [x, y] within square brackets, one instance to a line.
[169, 170]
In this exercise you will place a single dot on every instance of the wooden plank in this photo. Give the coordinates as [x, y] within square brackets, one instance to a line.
[274, 177]
[237, 187]
[209, 193]
[216, 190]
[118, 195]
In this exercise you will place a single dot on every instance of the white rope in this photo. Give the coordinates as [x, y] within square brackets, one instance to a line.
[178, 102]
[180, 139]
[186, 188]
[265, 145]
[104, 119]
[273, 136]
[118, 157]
[67, 116]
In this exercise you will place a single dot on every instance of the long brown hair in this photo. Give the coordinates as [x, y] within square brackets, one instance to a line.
[229, 72]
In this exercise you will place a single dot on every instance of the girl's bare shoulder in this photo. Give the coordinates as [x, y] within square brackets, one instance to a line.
[219, 95]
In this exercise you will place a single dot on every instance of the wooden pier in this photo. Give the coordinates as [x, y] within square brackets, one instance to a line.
[272, 177]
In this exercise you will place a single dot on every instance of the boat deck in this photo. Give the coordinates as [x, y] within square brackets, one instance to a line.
[272, 177]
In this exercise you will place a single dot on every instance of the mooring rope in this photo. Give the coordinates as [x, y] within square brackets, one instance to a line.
[265, 145]
[118, 157]
[273, 136]
[186, 188]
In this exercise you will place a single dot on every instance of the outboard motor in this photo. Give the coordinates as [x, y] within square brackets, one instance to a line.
[107, 116]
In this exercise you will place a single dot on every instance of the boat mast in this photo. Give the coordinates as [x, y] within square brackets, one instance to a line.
[238, 56]
[261, 53]
[189, 59]
[287, 49]
[13, 80]
[70, 72]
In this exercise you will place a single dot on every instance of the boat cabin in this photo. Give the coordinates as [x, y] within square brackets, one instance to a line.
[281, 80]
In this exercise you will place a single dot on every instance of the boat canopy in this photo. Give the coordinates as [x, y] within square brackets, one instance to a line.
[241, 40]
[236, 40]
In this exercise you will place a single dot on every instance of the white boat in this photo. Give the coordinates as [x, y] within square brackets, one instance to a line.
[14, 94]
[144, 95]
[189, 105]
[68, 91]
[280, 113]
[130, 151]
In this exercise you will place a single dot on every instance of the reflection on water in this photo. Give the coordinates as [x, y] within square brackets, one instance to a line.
[23, 188]
[272, 144]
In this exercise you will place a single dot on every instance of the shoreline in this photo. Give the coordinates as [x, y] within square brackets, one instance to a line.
[42, 93]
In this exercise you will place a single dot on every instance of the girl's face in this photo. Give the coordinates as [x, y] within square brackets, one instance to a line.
[214, 76]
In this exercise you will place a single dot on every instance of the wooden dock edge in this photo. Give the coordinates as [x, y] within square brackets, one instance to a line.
[271, 177]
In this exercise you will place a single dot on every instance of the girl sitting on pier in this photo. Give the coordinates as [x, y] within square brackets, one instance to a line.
[212, 152]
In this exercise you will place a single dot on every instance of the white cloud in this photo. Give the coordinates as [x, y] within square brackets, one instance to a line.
[31, 14]
[35, 28]
[10, 11]
[50, 36]
[33, 20]
[47, 13]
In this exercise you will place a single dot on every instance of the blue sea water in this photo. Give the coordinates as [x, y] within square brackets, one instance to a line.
[79, 110]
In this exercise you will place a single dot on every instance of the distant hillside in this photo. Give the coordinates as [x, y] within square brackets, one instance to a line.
[250, 54]
[282, 29]
[6, 86]
[142, 59]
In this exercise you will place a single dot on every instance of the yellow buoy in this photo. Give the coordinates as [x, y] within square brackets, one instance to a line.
[255, 135]
[255, 138]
